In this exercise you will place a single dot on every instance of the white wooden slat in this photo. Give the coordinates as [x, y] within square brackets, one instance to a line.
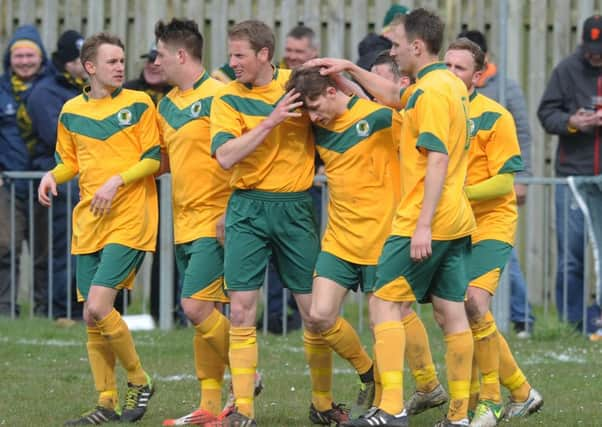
[288, 20]
[242, 10]
[219, 33]
[311, 18]
[73, 15]
[359, 26]
[119, 18]
[96, 17]
[196, 10]
[49, 28]
[266, 11]
[336, 29]
[27, 12]
[515, 31]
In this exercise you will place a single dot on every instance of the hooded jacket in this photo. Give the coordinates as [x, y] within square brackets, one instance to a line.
[14, 155]
[574, 84]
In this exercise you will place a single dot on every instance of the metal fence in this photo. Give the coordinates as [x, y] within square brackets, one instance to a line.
[546, 262]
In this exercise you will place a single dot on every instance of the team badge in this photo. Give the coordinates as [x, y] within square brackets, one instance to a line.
[471, 127]
[124, 117]
[195, 109]
[362, 128]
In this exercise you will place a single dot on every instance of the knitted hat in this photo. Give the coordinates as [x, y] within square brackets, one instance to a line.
[68, 47]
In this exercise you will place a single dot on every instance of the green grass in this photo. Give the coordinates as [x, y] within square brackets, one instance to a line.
[46, 380]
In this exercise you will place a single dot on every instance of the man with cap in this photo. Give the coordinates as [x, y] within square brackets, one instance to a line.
[571, 107]
[44, 106]
[25, 64]
[151, 79]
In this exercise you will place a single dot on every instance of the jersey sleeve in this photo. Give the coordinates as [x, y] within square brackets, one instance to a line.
[66, 149]
[148, 132]
[503, 150]
[226, 123]
[432, 112]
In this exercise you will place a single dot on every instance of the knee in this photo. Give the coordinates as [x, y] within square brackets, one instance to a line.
[439, 318]
[95, 312]
[320, 320]
[474, 311]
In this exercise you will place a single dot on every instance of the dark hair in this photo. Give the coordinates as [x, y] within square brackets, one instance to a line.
[302, 32]
[182, 33]
[477, 54]
[384, 57]
[258, 34]
[309, 82]
[92, 43]
[426, 26]
[475, 36]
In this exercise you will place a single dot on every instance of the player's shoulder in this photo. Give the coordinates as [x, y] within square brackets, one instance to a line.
[138, 96]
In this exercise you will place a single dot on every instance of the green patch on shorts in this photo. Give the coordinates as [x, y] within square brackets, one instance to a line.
[444, 274]
[260, 225]
[109, 267]
[487, 255]
[347, 274]
[200, 263]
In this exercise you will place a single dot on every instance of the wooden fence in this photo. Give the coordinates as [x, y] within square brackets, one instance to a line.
[539, 33]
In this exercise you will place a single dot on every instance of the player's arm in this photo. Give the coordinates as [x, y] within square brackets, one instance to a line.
[495, 186]
[233, 150]
[385, 91]
[436, 171]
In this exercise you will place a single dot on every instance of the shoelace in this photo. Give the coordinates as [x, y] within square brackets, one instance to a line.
[131, 398]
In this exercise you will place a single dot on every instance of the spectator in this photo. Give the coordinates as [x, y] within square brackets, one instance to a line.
[570, 108]
[44, 106]
[489, 85]
[25, 64]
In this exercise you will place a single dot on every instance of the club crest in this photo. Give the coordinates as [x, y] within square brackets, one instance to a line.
[362, 128]
[124, 117]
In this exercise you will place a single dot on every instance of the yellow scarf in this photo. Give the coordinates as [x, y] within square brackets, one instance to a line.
[23, 119]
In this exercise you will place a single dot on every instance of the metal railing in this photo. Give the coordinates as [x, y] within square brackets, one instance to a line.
[501, 302]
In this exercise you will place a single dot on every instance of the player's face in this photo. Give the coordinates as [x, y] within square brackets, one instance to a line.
[108, 69]
[25, 62]
[461, 63]
[400, 50]
[245, 62]
[322, 109]
[165, 66]
[384, 70]
[298, 51]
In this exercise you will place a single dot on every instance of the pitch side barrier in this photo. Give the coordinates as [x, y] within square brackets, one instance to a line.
[541, 191]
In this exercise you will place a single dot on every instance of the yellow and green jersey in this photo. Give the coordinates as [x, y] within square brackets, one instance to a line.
[100, 138]
[360, 153]
[284, 161]
[494, 150]
[435, 118]
[200, 187]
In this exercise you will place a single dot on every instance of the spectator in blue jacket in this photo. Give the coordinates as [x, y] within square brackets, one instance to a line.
[25, 64]
[44, 106]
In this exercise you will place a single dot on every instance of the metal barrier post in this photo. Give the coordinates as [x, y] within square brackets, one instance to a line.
[565, 257]
[68, 254]
[166, 300]
[31, 247]
[13, 267]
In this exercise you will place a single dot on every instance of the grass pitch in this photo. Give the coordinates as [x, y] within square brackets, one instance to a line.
[46, 379]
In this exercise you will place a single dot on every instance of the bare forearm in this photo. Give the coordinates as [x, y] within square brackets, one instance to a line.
[385, 91]
[436, 171]
[236, 149]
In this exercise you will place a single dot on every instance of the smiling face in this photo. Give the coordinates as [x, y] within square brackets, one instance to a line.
[246, 63]
[108, 68]
[298, 51]
[25, 62]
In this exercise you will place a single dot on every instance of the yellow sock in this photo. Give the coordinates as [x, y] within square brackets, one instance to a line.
[243, 366]
[115, 330]
[389, 346]
[475, 386]
[319, 358]
[378, 385]
[102, 364]
[487, 355]
[343, 339]
[511, 375]
[418, 354]
[209, 363]
[458, 359]
[216, 330]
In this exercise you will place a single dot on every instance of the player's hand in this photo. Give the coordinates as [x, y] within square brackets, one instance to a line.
[420, 246]
[521, 193]
[47, 184]
[286, 108]
[330, 65]
[103, 198]
[220, 230]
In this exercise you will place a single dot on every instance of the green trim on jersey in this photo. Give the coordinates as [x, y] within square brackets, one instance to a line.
[86, 91]
[220, 139]
[429, 68]
[485, 121]
[473, 95]
[352, 101]
[105, 128]
[354, 134]
[248, 106]
[57, 158]
[178, 117]
[430, 142]
[513, 164]
[413, 99]
[152, 153]
[201, 80]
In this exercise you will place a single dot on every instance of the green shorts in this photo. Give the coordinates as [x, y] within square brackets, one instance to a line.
[114, 266]
[201, 265]
[444, 274]
[260, 225]
[487, 262]
[345, 273]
